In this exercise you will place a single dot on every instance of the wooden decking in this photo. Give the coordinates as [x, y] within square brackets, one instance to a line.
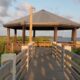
[44, 66]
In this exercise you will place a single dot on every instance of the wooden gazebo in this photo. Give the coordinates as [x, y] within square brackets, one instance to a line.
[42, 20]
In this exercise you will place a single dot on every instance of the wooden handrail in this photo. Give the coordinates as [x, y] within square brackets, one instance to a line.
[23, 59]
[65, 60]
[20, 63]
[5, 71]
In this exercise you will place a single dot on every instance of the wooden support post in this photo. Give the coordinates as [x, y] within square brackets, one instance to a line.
[23, 35]
[15, 35]
[63, 60]
[55, 34]
[8, 35]
[30, 36]
[74, 32]
[34, 33]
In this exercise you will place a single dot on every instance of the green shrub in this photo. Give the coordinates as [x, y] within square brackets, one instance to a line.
[77, 51]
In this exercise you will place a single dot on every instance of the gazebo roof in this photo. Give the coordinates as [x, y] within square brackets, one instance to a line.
[43, 20]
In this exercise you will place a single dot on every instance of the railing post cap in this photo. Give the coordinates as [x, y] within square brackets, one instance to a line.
[24, 47]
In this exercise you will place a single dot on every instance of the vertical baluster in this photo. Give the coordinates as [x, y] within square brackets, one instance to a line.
[62, 65]
[63, 51]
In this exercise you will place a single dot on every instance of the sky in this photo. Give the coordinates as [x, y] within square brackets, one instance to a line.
[13, 9]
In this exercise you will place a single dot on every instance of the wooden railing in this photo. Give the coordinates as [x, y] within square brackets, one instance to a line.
[5, 71]
[13, 47]
[21, 64]
[16, 47]
[43, 44]
[65, 59]
[14, 66]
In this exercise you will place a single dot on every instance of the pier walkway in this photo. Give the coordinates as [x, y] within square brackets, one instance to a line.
[44, 66]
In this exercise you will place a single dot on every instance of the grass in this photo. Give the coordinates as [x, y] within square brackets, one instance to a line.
[76, 51]
[2, 44]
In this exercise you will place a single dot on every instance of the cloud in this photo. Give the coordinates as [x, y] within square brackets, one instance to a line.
[4, 5]
[21, 10]
[77, 1]
[17, 14]
[24, 7]
[3, 11]
[68, 17]
[1, 20]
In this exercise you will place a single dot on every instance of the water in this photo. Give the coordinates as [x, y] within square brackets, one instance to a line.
[64, 39]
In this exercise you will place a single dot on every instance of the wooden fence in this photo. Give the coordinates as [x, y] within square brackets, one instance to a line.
[65, 59]
[14, 66]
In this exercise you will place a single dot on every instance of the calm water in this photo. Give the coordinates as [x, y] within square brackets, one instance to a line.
[62, 39]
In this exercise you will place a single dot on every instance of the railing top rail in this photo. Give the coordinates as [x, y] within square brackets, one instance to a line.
[5, 64]
[20, 55]
[67, 51]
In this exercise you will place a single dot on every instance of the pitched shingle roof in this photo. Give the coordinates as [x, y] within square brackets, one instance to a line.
[45, 17]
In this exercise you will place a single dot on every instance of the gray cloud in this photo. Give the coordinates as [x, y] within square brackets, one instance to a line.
[4, 5]
[3, 11]
[1, 22]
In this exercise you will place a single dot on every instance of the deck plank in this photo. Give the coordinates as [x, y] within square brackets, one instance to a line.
[44, 67]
